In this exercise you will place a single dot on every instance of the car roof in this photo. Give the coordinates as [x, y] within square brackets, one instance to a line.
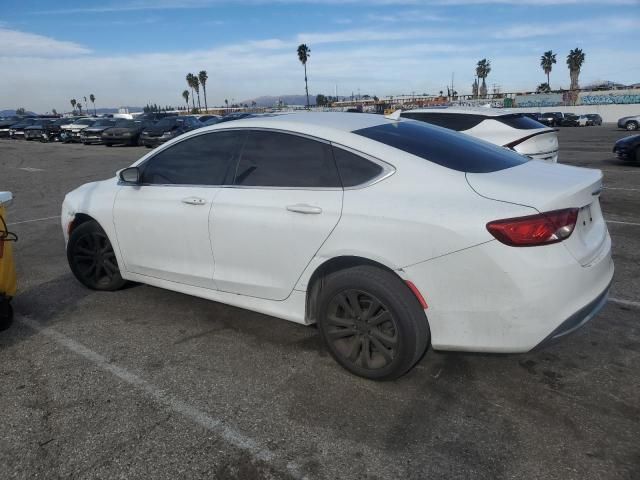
[486, 111]
[305, 121]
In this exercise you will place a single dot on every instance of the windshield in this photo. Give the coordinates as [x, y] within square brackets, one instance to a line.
[84, 121]
[444, 147]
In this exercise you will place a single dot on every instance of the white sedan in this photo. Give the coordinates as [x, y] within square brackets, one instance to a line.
[391, 235]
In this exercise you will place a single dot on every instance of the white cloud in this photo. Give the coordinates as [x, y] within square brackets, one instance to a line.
[19, 44]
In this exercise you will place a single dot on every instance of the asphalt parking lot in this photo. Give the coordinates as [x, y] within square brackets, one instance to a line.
[147, 383]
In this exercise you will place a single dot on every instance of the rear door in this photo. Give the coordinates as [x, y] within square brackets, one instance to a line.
[285, 201]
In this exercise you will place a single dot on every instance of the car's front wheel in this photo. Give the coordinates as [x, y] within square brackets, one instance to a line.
[92, 259]
[631, 126]
[371, 322]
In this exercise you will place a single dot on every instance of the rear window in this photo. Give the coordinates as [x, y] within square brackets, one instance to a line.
[519, 121]
[444, 147]
[452, 121]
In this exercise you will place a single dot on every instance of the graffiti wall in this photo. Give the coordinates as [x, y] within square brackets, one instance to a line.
[607, 97]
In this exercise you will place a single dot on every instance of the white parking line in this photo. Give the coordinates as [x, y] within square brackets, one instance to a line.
[626, 303]
[625, 189]
[623, 223]
[34, 220]
[217, 426]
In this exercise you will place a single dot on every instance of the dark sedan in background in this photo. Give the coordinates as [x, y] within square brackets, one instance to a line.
[6, 123]
[34, 131]
[628, 148]
[17, 130]
[93, 133]
[594, 119]
[166, 129]
[125, 132]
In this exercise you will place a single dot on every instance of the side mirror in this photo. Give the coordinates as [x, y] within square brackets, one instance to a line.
[130, 176]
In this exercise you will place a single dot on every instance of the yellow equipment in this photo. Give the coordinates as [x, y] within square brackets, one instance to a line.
[7, 267]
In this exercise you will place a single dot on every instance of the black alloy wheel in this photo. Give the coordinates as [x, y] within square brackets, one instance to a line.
[362, 330]
[92, 259]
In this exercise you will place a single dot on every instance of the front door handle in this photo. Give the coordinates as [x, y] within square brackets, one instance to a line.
[194, 201]
[304, 208]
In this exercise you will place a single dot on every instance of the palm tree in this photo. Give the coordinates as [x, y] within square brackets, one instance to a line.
[482, 70]
[92, 97]
[304, 53]
[73, 104]
[546, 62]
[543, 88]
[190, 83]
[203, 77]
[226, 102]
[575, 59]
[79, 105]
[196, 87]
[185, 95]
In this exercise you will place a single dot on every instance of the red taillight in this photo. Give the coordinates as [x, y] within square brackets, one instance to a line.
[542, 229]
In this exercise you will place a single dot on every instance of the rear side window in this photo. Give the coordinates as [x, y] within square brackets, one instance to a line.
[452, 121]
[202, 160]
[273, 159]
[354, 170]
[444, 147]
[519, 121]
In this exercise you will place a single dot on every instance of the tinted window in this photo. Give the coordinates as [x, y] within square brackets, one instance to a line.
[519, 121]
[167, 122]
[272, 159]
[452, 121]
[444, 147]
[202, 160]
[354, 170]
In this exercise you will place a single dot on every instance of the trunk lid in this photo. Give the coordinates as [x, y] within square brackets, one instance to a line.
[546, 187]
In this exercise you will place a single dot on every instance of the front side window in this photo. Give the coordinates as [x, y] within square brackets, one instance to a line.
[272, 159]
[202, 160]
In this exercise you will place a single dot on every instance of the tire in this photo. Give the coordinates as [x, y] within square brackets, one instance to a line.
[637, 155]
[631, 126]
[109, 144]
[92, 259]
[371, 323]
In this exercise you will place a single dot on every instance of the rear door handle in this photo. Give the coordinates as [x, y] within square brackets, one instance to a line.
[304, 208]
[194, 201]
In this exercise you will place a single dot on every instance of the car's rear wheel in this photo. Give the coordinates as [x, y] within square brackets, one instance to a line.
[92, 259]
[631, 126]
[109, 144]
[371, 322]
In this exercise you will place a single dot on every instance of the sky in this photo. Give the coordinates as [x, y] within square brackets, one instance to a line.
[139, 51]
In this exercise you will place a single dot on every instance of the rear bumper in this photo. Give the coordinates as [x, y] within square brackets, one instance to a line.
[577, 320]
[494, 298]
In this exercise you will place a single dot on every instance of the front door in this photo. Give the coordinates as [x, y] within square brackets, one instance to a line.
[162, 225]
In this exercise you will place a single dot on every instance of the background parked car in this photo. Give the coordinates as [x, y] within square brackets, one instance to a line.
[628, 148]
[166, 129]
[594, 119]
[93, 133]
[71, 132]
[554, 118]
[5, 124]
[34, 131]
[125, 132]
[502, 127]
[572, 120]
[629, 123]
[51, 131]
[548, 119]
[17, 131]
